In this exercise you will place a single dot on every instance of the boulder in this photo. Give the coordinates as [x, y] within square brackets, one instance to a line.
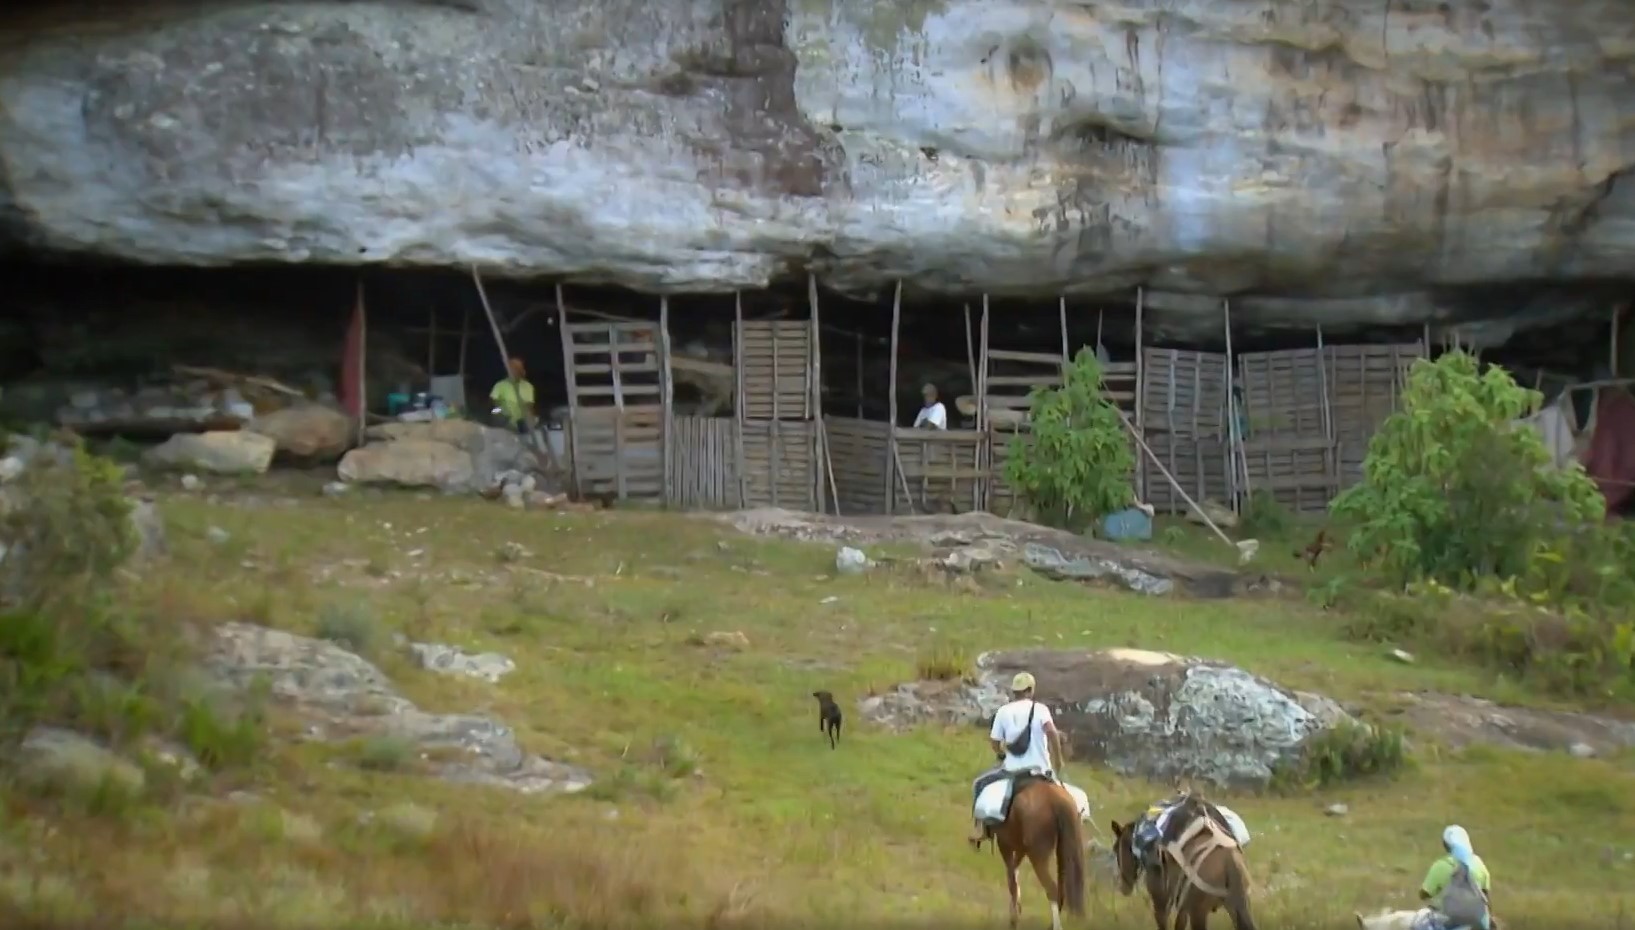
[1344, 163]
[413, 463]
[346, 696]
[64, 762]
[223, 452]
[308, 432]
[1145, 714]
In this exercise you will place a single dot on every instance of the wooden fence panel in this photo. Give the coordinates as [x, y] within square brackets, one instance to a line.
[858, 450]
[779, 459]
[705, 472]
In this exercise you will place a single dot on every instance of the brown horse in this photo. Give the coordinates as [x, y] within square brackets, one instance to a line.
[1200, 870]
[1044, 821]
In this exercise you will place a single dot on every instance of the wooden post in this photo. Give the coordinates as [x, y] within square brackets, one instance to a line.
[1331, 463]
[1140, 388]
[819, 436]
[891, 399]
[363, 363]
[1172, 480]
[970, 350]
[859, 375]
[573, 393]
[1100, 314]
[1066, 354]
[738, 393]
[534, 438]
[1233, 454]
[667, 396]
[985, 442]
[465, 338]
[1615, 314]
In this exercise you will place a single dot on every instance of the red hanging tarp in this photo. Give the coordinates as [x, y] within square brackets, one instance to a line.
[1610, 457]
[352, 363]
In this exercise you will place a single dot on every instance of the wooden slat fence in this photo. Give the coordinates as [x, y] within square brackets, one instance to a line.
[1287, 452]
[858, 450]
[1365, 387]
[1183, 407]
[941, 469]
[704, 473]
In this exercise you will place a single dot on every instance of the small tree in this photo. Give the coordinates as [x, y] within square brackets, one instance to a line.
[1453, 489]
[1078, 463]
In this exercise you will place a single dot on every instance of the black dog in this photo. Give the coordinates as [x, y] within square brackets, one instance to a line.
[828, 716]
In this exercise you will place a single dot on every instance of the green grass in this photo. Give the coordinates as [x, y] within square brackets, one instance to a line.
[719, 802]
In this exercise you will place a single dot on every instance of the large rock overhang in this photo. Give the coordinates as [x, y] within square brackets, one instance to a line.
[1367, 166]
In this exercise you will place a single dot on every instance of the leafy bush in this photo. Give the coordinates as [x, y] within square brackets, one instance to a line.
[1264, 517]
[351, 626]
[66, 526]
[1078, 464]
[942, 662]
[1345, 752]
[1453, 490]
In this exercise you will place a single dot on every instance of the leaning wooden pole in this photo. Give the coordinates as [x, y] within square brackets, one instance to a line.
[738, 394]
[1331, 460]
[983, 425]
[1234, 455]
[534, 439]
[1153, 457]
[970, 349]
[826, 477]
[891, 400]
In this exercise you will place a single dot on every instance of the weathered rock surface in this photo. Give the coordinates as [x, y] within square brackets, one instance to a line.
[452, 660]
[1139, 713]
[1338, 161]
[220, 452]
[308, 433]
[966, 542]
[62, 760]
[452, 455]
[351, 697]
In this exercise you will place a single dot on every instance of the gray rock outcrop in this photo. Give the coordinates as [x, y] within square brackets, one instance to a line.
[1139, 713]
[307, 432]
[220, 452]
[450, 455]
[350, 697]
[1338, 162]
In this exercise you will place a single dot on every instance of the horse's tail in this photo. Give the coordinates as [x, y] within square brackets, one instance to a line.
[1237, 892]
[1069, 854]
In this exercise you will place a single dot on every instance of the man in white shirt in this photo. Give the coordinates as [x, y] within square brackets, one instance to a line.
[1022, 715]
[933, 415]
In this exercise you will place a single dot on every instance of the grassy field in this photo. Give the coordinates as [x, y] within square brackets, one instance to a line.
[745, 816]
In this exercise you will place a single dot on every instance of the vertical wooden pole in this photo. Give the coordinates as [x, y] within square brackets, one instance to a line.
[1140, 388]
[1066, 353]
[1101, 313]
[573, 393]
[775, 459]
[668, 398]
[970, 350]
[465, 340]
[738, 388]
[819, 437]
[860, 376]
[982, 423]
[891, 400]
[363, 363]
[1615, 315]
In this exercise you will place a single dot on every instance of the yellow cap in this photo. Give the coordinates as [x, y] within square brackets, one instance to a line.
[1022, 682]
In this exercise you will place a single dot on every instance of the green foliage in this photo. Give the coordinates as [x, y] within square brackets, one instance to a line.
[1452, 490]
[943, 662]
[351, 626]
[67, 527]
[1078, 464]
[385, 753]
[1264, 518]
[1348, 751]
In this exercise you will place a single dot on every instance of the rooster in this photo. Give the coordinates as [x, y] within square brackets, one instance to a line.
[1315, 550]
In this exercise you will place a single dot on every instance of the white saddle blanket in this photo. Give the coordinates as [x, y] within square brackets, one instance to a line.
[992, 800]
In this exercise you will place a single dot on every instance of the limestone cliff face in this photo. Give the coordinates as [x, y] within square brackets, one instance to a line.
[1336, 160]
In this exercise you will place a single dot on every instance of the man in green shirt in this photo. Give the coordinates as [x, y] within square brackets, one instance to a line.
[514, 397]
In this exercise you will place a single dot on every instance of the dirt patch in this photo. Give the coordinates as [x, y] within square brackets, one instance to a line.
[955, 533]
[1461, 721]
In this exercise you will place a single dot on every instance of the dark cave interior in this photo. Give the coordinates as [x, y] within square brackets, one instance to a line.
[77, 322]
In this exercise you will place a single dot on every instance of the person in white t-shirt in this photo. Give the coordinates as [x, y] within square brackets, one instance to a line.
[1022, 714]
[933, 415]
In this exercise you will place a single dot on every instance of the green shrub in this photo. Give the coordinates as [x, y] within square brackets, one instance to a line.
[386, 754]
[351, 626]
[1077, 464]
[1348, 751]
[942, 662]
[67, 527]
[1452, 490]
[1263, 517]
[221, 735]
